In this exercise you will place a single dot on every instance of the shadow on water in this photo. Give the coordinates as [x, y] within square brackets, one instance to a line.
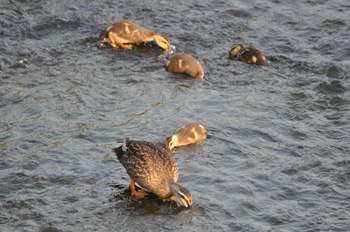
[151, 204]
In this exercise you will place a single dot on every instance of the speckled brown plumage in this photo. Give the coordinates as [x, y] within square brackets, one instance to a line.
[153, 169]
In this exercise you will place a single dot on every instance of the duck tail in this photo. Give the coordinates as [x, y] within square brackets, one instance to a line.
[118, 152]
[122, 150]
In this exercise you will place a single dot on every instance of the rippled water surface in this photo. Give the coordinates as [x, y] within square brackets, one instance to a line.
[278, 153]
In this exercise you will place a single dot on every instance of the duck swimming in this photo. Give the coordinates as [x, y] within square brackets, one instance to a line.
[126, 33]
[183, 63]
[249, 55]
[192, 133]
[154, 169]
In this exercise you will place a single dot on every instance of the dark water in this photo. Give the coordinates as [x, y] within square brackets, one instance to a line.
[278, 156]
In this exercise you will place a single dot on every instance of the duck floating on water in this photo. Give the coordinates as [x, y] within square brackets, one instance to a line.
[154, 169]
[192, 133]
[183, 63]
[249, 55]
[126, 33]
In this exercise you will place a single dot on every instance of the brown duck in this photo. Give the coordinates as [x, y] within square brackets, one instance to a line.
[249, 55]
[126, 33]
[183, 63]
[154, 169]
[192, 133]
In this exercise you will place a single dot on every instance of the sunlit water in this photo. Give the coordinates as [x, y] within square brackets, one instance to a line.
[277, 156]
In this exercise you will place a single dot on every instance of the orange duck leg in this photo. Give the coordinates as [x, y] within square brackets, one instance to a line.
[140, 193]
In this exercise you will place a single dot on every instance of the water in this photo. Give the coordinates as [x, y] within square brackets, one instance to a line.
[278, 154]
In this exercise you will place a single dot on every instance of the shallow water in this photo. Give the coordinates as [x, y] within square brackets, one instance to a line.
[277, 158]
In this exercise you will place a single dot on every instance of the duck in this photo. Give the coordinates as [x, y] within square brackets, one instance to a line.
[183, 63]
[249, 55]
[192, 133]
[125, 34]
[154, 169]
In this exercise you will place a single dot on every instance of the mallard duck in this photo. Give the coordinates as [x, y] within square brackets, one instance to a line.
[154, 169]
[127, 33]
[183, 63]
[249, 55]
[192, 133]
